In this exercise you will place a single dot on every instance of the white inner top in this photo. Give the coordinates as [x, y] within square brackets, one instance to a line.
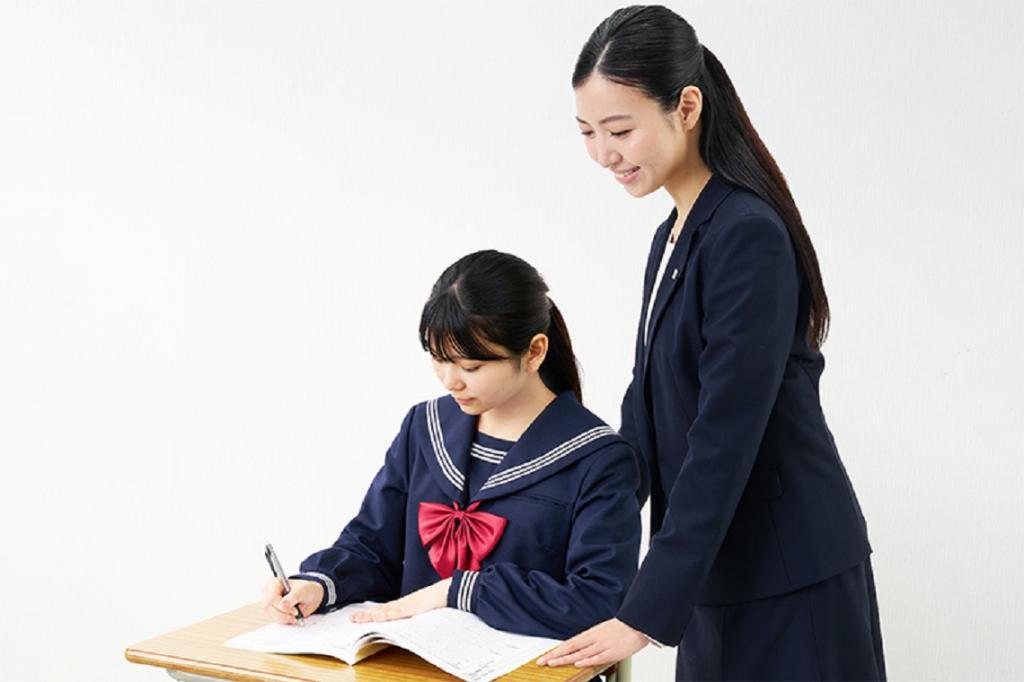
[669, 245]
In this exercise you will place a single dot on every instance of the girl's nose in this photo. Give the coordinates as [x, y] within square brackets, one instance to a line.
[451, 379]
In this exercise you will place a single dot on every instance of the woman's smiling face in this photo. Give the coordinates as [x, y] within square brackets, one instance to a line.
[629, 133]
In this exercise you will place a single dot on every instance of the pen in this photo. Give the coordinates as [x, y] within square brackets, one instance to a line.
[275, 568]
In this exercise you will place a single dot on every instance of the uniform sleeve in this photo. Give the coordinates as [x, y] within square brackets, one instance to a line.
[365, 562]
[750, 299]
[600, 562]
[628, 432]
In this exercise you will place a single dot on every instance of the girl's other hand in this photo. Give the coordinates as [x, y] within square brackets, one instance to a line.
[426, 599]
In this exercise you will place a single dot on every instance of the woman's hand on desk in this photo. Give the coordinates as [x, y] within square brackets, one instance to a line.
[426, 599]
[602, 644]
[306, 593]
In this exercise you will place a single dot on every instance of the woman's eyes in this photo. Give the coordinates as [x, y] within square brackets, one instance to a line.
[471, 369]
[619, 133]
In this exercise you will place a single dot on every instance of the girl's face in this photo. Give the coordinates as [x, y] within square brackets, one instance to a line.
[629, 133]
[482, 385]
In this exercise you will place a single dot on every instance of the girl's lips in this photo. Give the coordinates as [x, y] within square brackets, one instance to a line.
[628, 177]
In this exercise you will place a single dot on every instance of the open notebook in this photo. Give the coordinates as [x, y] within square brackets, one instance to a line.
[455, 641]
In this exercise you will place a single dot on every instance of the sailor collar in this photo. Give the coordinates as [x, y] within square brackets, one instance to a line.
[563, 433]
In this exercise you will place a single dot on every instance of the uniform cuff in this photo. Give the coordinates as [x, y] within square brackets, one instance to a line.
[462, 593]
[630, 617]
[653, 641]
[330, 594]
[646, 636]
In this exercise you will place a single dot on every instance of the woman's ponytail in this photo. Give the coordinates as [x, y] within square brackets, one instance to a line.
[732, 148]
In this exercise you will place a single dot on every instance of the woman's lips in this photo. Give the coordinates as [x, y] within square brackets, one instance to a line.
[629, 176]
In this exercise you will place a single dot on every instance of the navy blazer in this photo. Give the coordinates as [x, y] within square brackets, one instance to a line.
[748, 496]
[568, 488]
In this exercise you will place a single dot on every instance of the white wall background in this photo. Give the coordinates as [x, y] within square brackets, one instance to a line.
[219, 220]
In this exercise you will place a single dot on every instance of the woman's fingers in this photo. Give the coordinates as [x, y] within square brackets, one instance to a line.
[575, 657]
[597, 660]
[566, 649]
[602, 644]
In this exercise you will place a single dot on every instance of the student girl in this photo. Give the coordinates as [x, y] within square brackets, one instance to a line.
[759, 564]
[506, 497]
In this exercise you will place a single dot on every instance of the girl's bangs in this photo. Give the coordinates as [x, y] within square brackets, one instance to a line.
[449, 334]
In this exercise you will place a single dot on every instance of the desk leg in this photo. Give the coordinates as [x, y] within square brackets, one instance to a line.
[622, 672]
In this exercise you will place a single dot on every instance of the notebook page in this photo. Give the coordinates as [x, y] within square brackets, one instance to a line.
[463, 645]
[455, 641]
[331, 634]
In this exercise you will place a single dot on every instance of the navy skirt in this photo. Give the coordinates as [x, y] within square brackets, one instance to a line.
[825, 631]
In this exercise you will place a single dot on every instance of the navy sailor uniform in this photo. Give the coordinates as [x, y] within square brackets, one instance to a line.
[749, 499]
[567, 488]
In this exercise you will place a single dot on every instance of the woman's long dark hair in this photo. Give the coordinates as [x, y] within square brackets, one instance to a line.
[491, 298]
[655, 50]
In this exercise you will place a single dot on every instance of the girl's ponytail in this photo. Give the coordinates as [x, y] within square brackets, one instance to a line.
[560, 370]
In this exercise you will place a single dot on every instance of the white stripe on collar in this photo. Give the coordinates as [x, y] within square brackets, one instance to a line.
[448, 468]
[486, 454]
[548, 458]
[493, 451]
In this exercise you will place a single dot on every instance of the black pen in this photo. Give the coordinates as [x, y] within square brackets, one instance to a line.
[275, 568]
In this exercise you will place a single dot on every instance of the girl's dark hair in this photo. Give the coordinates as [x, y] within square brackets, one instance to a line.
[655, 50]
[491, 298]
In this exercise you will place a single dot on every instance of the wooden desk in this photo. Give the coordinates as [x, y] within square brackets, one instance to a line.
[199, 649]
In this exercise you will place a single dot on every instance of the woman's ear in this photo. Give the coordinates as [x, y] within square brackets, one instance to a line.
[691, 103]
[536, 353]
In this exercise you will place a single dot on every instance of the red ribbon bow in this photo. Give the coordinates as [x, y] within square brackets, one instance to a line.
[458, 538]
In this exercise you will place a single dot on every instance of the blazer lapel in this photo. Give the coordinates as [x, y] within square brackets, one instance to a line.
[703, 209]
[640, 416]
[674, 270]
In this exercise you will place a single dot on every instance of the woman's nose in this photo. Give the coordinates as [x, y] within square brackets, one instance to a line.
[606, 154]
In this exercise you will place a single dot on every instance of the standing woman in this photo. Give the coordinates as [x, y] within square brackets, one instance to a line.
[759, 561]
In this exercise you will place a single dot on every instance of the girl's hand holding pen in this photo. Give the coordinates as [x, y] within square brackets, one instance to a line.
[306, 594]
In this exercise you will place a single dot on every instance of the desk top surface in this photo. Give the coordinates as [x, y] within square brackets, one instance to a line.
[200, 649]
